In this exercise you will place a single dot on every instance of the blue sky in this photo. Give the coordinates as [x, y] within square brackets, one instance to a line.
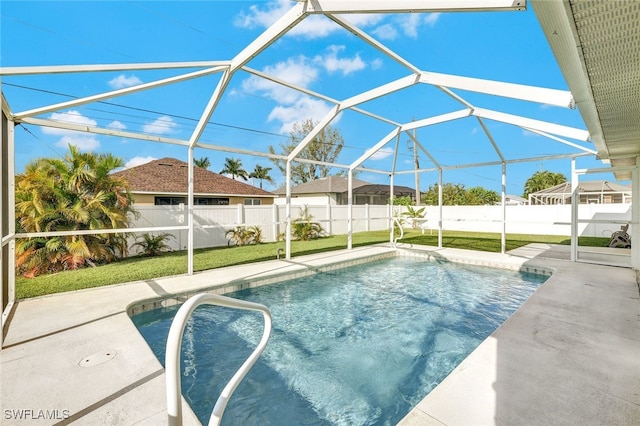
[253, 114]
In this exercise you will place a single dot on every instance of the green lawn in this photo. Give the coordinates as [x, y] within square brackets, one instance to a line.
[135, 269]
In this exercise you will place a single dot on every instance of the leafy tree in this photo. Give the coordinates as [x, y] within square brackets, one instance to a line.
[542, 179]
[234, 168]
[452, 195]
[325, 147]
[403, 201]
[202, 162]
[153, 245]
[482, 196]
[457, 195]
[71, 194]
[261, 173]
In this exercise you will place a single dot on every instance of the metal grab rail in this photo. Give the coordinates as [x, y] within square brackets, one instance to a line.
[172, 356]
[395, 240]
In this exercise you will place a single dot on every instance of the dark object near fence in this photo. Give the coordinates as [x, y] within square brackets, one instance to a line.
[621, 238]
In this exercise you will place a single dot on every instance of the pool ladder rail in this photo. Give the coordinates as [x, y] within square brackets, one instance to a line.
[172, 356]
[395, 240]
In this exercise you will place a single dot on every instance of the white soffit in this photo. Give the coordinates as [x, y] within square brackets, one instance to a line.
[597, 45]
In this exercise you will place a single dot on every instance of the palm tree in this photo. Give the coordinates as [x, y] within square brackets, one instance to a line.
[234, 168]
[261, 173]
[202, 162]
[153, 245]
[415, 215]
[76, 193]
[542, 180]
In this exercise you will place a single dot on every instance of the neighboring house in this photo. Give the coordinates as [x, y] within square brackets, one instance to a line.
[591, 192]
[164, 182]
[514, 200]
[333, 190]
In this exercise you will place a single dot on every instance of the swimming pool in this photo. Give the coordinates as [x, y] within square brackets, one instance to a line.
[358, 346]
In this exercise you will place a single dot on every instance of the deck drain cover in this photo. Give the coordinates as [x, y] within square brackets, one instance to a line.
[97, 358]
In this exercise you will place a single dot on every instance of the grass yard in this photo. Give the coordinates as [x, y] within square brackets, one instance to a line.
[175, 263]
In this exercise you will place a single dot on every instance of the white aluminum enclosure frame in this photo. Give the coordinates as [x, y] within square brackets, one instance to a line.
[338, 11]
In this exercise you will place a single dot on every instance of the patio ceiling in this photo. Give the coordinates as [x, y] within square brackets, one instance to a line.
[597, 45]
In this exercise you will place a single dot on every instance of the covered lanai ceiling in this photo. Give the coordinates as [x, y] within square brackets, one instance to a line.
[595, 91]
[597, 45]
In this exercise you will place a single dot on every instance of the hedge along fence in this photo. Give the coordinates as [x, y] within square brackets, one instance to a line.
[211, 223]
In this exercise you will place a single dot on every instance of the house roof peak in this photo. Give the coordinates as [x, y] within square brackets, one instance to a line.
[169, 176]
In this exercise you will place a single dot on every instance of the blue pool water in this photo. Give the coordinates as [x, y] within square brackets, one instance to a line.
[356, 346]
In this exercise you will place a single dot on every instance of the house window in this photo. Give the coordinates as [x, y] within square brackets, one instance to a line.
[209, 201]
[252, 201]
[170, 201]
[198, 201]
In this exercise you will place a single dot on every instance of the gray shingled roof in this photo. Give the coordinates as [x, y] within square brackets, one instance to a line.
[169, 176]
[585, 186]
[378, 189]
[331, 184]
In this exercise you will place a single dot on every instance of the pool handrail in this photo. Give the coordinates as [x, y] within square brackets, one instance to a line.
[172, 355]
[395, 240]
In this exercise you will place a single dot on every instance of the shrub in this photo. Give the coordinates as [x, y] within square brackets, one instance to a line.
[153, 245]
[304, 229]
[242, 235]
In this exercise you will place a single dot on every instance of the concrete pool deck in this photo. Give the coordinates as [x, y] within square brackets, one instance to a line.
[570, 355]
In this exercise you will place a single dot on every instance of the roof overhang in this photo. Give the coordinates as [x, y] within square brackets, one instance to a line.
[595, 43]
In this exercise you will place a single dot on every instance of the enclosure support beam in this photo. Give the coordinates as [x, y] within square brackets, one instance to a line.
[503, 233]
[415, 6]
[392, 225]
[574, 211]
[439, 208]
[529, 123]
[635, 215]
[350, 209]
[7, 213]
[190, 192]
[287, 211]
[393, 171]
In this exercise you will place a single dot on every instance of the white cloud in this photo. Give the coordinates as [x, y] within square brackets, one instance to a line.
[161, 126]
[312, 27]
[364, 19]
[303, 72]
[382, 153]
[258, 17]
[116, 125]
[385, 32]
[136, 161]
[409, 24]
[297, 70]
[84, 141]
[71, 117]
[376, 64]
[304, 108]
[431, 19]
[123, 81]
[317, 26]
[332, 63]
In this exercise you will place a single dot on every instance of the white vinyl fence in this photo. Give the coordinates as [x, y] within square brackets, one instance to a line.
[212, 222]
